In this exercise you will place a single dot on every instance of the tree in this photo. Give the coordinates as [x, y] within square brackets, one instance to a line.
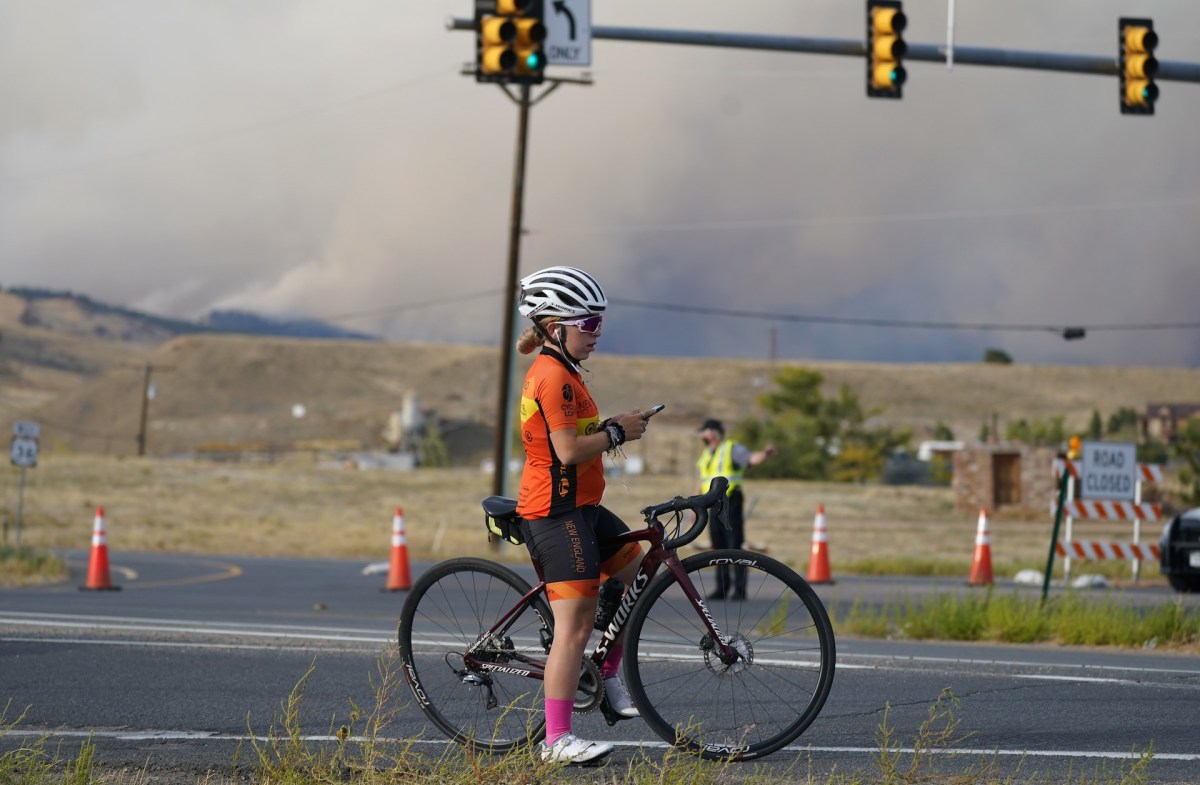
[996, 356]
[1096, 426]
[1187, 448]
[1019, 431]
[942, 432]
[433, 450]
[796, 425]
[818, 437]
[1123, 424]
[1037, 432]
[1152, 451]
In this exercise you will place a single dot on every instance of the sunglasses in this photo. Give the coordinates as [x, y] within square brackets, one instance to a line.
[590, 325]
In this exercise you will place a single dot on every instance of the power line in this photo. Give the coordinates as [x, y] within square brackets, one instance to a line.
[834, 220]
[1067, 331]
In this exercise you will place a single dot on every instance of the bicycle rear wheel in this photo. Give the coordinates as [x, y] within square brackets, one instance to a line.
[449, 611]
[753, 706]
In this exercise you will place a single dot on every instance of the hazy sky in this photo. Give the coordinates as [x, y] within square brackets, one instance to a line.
[326, 158]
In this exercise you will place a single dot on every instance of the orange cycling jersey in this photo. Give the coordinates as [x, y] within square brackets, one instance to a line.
[554, 398]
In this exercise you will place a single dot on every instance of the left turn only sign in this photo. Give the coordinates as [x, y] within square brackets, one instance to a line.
[568, 32]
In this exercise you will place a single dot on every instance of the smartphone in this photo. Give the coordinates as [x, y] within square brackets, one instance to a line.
[653, 410]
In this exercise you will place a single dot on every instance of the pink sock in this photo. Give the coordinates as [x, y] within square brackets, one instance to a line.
[612, 665]
[558, 718]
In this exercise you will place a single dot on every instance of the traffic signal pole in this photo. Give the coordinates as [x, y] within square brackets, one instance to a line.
[933, 53]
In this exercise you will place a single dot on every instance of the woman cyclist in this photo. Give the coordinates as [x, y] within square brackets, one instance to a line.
[561, 487]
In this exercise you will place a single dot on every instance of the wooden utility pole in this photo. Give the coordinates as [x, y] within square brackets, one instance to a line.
[147, 393]
[505, 384]
[141, 437]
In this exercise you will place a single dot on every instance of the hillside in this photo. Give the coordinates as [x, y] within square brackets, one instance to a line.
[44, 355]
[79, 368]
[238, 390]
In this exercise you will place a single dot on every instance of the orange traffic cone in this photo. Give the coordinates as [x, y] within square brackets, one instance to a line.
[818, 562]
[981, 568]
[399, 577]
[98, 578]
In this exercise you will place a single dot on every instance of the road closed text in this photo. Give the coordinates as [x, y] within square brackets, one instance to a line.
[1109, 471]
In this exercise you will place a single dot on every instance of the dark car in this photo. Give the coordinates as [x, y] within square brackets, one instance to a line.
[1179, 551]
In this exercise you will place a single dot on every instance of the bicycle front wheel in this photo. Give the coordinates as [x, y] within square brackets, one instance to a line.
[450, 611]
[747, 708]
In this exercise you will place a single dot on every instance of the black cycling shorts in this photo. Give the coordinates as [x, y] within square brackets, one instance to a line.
[575, 550]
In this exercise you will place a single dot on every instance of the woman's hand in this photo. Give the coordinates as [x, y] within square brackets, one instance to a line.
[633, 423]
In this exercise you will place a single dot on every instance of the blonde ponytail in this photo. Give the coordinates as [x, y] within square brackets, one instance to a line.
[533, 338]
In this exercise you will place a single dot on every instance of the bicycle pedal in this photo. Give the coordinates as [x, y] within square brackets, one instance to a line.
[612, 717]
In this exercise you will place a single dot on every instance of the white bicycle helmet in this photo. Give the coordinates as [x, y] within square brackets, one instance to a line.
[565, 292]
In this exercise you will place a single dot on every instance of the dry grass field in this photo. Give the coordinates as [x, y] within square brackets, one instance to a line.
[81, 374]
[301, 506]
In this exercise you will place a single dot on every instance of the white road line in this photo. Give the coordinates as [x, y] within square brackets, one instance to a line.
[277, 633]
[120, 622]
[1087, 679]
[177, 735]
[1018, 663]
[161, 644]
[359, 635]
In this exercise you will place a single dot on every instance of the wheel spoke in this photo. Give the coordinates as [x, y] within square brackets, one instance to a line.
[754, 705]
[446, 616]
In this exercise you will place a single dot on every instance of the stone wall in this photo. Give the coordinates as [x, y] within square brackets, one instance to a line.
[974, 478]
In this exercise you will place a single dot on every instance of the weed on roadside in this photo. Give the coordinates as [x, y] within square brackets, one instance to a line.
[1069, 620]
[29, 566]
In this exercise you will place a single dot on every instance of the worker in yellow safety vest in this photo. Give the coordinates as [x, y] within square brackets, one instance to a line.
[726, 458]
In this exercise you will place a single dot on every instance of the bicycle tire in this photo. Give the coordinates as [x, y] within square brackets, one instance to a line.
[755, 706]
[448, 611]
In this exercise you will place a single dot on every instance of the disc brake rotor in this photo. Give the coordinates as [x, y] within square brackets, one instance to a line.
[741, 645]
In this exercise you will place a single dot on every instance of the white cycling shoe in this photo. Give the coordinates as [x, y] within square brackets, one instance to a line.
[571, 749]
[618, 697]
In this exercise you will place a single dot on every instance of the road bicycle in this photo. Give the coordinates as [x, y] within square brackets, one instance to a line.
[722, 679]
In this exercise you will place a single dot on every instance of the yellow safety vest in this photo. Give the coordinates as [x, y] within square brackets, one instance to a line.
[719, 463]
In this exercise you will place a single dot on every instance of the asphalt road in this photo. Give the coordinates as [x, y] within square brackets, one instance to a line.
[195, 655]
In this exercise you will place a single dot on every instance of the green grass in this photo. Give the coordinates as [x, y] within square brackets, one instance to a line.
[906, 565]
[29, 566]
[1069, 620]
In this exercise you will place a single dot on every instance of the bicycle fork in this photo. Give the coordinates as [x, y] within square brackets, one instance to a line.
[714, 641]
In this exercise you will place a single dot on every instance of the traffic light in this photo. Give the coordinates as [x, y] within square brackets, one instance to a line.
[1137, 66]
[508, 41]
[885, 48]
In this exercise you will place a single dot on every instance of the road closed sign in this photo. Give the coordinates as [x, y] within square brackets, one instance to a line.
[1108, 471]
